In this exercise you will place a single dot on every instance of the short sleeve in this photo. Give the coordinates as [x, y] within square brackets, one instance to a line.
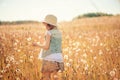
[48, 32]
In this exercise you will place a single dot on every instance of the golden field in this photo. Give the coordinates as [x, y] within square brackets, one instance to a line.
[91, 50]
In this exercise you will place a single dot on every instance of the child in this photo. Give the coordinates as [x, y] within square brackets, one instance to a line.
[51, 53]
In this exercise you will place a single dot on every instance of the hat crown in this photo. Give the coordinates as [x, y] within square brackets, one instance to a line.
[51, 19]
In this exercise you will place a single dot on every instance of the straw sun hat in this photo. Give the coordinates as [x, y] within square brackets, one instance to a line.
[50, 19]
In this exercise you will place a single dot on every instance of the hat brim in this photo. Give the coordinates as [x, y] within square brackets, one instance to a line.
[49, 23]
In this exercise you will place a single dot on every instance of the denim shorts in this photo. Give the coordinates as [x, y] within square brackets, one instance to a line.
[51, 66]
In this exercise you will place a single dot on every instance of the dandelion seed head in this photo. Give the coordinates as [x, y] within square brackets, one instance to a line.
[66, 57]
[101, 44]
[77, 50]
[15, 44]
[80, 36]
[97, 37]
[70, 60]
[31, 57]
[10, 59]
[39, 37]
[85, 55]
[91, 51]
[21, 61]
[107, 49]
[83, 61]
[16, 40]
[68, 64]
[94, 57]
[112, 73]
[66, 49]
[100, 52]
[8, 65]
[93, 40]
[77, 43]
[29, 39]
[70, 52]
[18, 50]
[3, 71]
[17, 78]
[38, 42]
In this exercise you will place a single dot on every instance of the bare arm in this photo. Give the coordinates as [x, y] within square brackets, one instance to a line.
[47, 43]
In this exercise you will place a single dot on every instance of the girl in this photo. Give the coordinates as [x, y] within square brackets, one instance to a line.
[51, 53]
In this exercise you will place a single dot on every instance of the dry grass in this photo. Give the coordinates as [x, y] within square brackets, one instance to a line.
[91, 49]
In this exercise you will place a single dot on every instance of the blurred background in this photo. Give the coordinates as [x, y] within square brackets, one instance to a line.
[65, 10]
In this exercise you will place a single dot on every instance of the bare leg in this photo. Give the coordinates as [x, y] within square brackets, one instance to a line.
[54, 75]
[46, 76]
